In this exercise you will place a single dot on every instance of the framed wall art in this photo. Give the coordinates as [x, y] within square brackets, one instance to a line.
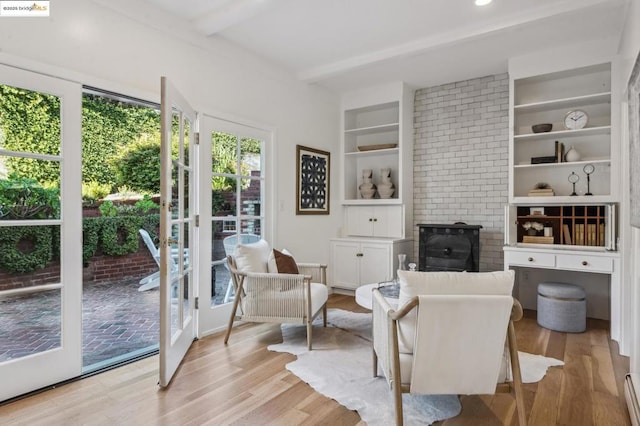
[312, 180]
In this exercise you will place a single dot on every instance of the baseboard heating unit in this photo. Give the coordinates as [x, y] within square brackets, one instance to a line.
[632, 395]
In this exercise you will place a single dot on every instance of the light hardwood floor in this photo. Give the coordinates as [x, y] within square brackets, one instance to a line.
[245, 384]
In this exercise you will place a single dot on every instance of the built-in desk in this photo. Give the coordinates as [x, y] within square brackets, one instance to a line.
[591, 261]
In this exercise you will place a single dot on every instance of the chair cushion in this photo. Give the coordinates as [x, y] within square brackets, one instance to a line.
[281, 262]
[413, 283]
[252, 257]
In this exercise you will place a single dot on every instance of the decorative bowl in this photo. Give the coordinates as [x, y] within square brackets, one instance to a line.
[541, 128]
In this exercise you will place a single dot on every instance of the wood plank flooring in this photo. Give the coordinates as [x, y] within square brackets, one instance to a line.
[245, 384]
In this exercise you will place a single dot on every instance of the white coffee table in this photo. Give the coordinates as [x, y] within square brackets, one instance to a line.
[364, 296]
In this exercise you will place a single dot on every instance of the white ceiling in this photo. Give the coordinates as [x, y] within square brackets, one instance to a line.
[348, 44]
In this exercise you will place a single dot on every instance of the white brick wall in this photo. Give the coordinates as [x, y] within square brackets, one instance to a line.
[460, 159]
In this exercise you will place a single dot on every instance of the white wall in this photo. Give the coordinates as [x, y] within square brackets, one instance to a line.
[629, 51]
[93, 43]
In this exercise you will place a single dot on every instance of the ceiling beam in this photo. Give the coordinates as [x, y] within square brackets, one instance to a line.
[227, 13]
[449, 38]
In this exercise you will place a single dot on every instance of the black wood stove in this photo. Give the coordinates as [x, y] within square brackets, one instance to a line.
[453, 247]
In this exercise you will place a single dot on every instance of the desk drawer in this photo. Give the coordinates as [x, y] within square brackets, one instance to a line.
[540, 260]
[585, 263]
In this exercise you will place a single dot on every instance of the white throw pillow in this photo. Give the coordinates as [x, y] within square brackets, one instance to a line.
[252, 257]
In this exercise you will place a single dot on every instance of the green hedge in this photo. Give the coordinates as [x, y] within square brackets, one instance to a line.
[90, 235]
[16, 261]
[120, 235]
[115, 236]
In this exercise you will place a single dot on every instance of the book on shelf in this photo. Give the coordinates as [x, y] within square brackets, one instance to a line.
[559, 152]
[567, 234]
[537, 240]
[547, 192]
[591, 234]
[544, 160]
[601, 235]
[579, 234]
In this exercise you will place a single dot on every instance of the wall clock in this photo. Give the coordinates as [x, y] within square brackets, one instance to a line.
[576, 119]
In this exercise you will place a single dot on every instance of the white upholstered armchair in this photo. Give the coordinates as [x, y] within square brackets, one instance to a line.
[451, 334]
[271, 287]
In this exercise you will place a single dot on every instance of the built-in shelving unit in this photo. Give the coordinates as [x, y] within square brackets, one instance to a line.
[579, 243]
[377, 133]
[568, 225]
[371, 141]
[547, 99]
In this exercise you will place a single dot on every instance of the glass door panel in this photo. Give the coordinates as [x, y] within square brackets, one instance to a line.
[40, 231]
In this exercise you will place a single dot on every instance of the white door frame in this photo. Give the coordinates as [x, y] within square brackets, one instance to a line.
[175, 344]
[212, 318]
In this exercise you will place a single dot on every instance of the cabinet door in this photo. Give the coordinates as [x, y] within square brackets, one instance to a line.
[375, 263]
[388, 222]
[360, 221]
[345, 264]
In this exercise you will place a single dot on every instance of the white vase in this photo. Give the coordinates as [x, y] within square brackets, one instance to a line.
[572, 155]
[367, 188]
[386, 188]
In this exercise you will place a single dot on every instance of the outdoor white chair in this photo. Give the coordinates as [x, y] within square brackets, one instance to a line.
[448, 336]
[230, 244]
[153, 280]
[264, 295]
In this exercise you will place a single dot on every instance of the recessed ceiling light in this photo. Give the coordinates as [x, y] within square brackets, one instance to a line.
[482, 2]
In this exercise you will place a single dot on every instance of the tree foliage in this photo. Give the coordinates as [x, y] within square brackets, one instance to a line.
[137, 165]
[225, 159]
[108, 127]
[25, 198]
[30, 122]
[120, 143]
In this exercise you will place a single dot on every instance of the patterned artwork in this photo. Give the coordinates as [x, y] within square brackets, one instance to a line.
[312, 181]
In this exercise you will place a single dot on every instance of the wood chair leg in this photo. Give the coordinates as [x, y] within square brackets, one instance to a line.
[397, 396]
[375, 363]
[517, 375]
[229, 327]
[324, 315]
[231, 319]
[309, 328]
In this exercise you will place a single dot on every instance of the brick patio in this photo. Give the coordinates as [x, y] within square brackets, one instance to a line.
[117, 320]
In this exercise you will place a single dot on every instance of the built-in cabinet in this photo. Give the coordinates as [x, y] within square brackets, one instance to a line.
[364, 261]
[375, 221]
[377, 134]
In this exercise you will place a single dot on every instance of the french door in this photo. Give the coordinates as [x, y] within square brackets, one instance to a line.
[178, 232]
[233, 206]
[52, 306]
[227, 160]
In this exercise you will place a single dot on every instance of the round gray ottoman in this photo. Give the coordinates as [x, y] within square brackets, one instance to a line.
[562, 307]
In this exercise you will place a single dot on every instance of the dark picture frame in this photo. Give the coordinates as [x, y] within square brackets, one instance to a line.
[312, 180]
[633, 92]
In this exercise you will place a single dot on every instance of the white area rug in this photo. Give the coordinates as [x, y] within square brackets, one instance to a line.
[340, 367]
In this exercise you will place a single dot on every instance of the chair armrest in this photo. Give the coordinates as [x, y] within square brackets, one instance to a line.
[318, 271]
[516, 310]
[383, 329]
